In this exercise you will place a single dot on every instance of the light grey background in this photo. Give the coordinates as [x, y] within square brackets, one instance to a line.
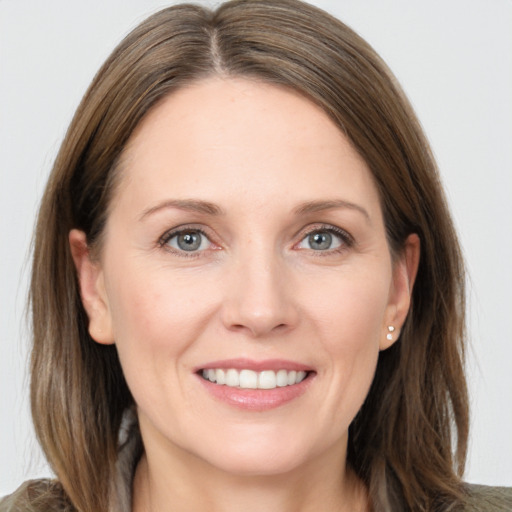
[454, 59]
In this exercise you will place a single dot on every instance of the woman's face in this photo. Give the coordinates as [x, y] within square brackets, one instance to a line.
[245, 244]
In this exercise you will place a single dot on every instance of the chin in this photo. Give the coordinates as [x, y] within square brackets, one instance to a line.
[258, 464]
[259, 455]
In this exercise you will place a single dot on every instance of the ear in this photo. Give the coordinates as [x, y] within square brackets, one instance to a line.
[92, 289]
[405, 269]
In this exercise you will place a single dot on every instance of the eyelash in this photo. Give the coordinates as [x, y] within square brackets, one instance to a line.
[347, 240]
[169, 235]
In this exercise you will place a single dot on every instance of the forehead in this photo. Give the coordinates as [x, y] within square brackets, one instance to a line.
[238, 136]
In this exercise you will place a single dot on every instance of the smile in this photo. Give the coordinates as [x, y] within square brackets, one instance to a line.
[249, 379]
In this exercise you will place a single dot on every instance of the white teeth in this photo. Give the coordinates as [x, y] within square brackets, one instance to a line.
[267, 380]
[221, 376]
[232, 378]
[249, 379]
[282, 378]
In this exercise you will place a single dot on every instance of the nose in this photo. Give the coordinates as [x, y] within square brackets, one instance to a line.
[258, 299]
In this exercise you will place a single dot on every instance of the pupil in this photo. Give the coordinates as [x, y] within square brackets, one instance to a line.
[189, 241]
[320, 241]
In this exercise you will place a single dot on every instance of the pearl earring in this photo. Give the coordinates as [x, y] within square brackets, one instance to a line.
[389, 336]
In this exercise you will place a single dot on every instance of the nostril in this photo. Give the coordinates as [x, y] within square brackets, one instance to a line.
[258, 315]
[259, 329]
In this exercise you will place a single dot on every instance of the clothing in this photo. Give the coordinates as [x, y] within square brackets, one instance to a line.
[31, 496]
[483, 499]
[46, 495]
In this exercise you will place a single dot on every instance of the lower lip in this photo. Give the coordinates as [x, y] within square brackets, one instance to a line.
[257, 399]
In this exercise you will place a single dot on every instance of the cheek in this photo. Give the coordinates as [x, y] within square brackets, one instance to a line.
[152, 303]
[351, 308]
[155, 318]
[349, 322]
[155, 322]
[351, 339]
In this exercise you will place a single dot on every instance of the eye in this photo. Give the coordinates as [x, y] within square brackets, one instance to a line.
[325, 239]
[189, 240]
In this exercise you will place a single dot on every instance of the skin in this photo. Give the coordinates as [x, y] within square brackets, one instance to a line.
[255, 289]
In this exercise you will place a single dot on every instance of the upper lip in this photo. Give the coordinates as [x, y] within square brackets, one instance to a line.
[257, 366]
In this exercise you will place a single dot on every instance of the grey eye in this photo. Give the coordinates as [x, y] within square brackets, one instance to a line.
[189, 241]
[320, 241]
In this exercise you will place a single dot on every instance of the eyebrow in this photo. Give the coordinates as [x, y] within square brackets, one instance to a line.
[189, 205]
[208, 208]
[318, 206]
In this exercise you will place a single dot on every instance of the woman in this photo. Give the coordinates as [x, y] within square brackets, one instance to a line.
[238, 297]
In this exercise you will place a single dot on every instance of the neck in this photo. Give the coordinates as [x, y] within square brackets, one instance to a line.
[196, 485]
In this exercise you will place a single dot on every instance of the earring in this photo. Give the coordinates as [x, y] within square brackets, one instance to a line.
[389, 336]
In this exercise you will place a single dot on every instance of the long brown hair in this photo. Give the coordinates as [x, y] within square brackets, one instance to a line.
[408, 442]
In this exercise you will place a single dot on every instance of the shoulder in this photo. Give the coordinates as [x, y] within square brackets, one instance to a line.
[483, 498]
[37, 496]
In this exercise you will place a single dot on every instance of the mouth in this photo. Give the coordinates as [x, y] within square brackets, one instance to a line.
[255, 385]
[250, 379]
